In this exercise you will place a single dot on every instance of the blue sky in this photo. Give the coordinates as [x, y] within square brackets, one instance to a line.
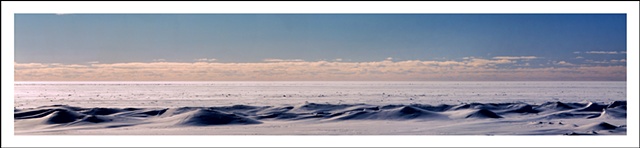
[527, 40]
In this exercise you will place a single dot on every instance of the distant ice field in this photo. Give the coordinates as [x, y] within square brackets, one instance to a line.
[265, 93]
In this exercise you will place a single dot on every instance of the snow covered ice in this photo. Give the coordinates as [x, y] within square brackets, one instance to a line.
[320, 108]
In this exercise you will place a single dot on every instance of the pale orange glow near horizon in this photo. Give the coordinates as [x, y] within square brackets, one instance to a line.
[471, 69]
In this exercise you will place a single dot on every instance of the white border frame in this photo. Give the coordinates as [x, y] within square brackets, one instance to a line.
[10, 8]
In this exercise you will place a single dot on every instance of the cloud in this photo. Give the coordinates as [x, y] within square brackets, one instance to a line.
[205, 60]
[159, 60]
[605, 52]
[477, 62]
[618, 61]
[388, 59]
[563, 63]
[579, 57]
[283, 60]
[338, 60]
[19, 66]
[613, 61]
[93, 62]
[298, 70]
[602, 62]
[576, 52]
[515, 57]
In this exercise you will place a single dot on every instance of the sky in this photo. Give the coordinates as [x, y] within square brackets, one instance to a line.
[319, 47]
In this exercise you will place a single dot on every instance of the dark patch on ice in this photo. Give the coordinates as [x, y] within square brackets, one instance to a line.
[101, 111]
[569, 115]
[483, 113]
[62, 116]
[615, 104]
[522, 108]
[205, 117]
[600, 126]
[558, 106]
[439, 108]
[95, 119]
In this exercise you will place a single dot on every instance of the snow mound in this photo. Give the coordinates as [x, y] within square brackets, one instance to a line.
[206, 117]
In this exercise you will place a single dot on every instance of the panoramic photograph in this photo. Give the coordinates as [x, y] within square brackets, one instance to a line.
[320, 74]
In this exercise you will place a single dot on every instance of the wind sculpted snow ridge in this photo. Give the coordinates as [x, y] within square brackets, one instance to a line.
[594, 115]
